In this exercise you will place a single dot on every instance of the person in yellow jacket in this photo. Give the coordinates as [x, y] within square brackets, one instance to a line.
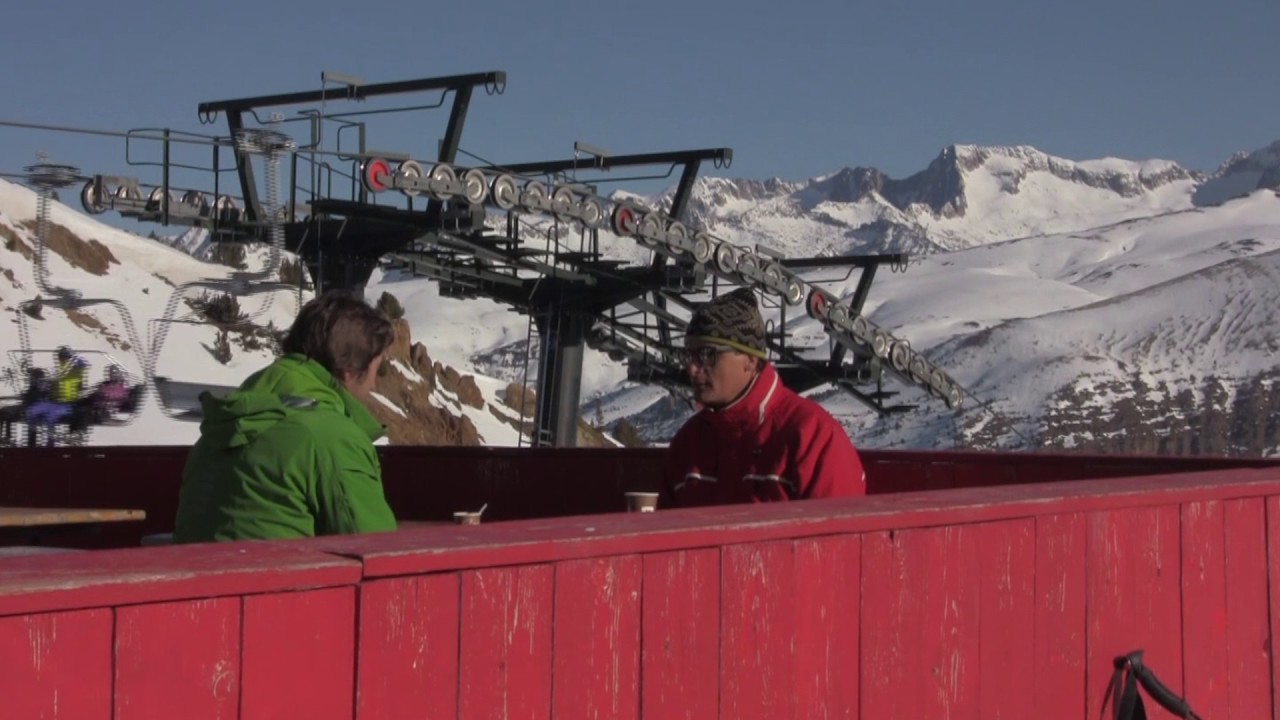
[68, 379]
[64, 391]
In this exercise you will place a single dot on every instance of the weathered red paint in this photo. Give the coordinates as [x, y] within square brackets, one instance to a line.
[1133, 593]
[505, 663]
[1249, 659]
[757, 630]
[299, 655]
[596, 639]
[178, 659]
[1004, 600]
[107, 578]
[56, 665]
[680, 647]
[1058, 656]
[1006, 556]
[828, 600]
[1204, 620]
[408, 648]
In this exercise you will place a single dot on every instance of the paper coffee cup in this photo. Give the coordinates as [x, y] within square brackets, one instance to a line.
[466, 518]
[642, 501]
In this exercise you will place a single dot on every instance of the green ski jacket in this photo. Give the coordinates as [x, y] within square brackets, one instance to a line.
[288, 454]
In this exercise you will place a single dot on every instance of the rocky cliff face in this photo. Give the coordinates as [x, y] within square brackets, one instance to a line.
[1213, 416]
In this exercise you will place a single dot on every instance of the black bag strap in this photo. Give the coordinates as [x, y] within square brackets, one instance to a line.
[1126, 701]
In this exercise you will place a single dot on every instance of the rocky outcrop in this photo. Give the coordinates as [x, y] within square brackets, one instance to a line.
[1206, 416]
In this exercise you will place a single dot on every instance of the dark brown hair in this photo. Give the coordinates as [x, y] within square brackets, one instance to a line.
[340, 331]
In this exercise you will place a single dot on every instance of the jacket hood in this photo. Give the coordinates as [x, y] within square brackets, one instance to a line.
[292, 384]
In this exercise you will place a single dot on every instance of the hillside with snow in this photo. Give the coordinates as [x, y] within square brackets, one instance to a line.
[1107, 305]
[128, 316]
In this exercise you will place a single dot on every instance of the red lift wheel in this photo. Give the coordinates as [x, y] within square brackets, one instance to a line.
[624, 221]
[374, 175]
[817, 304]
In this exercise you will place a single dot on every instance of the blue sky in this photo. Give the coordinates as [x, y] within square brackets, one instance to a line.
[797, 89]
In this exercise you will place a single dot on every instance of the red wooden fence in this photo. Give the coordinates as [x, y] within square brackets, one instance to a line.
[430, 483]
[990, 602]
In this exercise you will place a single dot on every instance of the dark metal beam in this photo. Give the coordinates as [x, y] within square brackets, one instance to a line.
[563, 333]
[681, 197]
[844, 261]
[679, 201]
[856, 303]
[723, 155]
[452, 138]
[360, 92]
[453, 131]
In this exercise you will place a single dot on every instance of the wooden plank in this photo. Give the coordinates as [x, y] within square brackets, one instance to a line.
[1249, 691]
[408, 648]
[505, 658]
[939, 476]
[920, 656]
[299, 655]
[1273, 588]
[757, 631]
[894, 476]
[828, 578]
[952, 610]
[56, 665]
[1006, 556]
[105, 578]
[13, 517]
[596, 642]
[680, 660]
[425, 550]
[1133, 594]
[1059, 660]
[972, 474]
[1204, 608]
[179, 659]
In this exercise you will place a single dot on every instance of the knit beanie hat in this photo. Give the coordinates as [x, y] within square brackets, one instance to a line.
[732, 320]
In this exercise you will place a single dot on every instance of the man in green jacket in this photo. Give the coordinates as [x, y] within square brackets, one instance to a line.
[290, 452]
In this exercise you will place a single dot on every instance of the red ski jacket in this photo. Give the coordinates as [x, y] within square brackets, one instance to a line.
[770, 444]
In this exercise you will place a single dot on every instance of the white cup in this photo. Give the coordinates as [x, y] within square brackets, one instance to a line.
[642, 501]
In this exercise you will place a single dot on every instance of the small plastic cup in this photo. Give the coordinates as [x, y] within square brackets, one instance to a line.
[642, 501]
[466, 518]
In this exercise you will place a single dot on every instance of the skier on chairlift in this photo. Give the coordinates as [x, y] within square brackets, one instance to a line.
[67, 381]
[37, 389]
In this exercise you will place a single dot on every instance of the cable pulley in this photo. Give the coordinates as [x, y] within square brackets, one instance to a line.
[443, 183]
[503, 191]
[375, 175]
[563, 202]
[474, 186]
[91, 198]
[567, 202]
[623, 221]
[408, 173]
[534, 196]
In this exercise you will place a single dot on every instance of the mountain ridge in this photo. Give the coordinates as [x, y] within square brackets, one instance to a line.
[1038, 292]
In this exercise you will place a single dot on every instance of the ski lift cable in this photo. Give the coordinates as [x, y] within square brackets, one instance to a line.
[659, 233]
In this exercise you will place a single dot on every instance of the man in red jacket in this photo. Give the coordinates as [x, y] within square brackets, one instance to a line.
[753, 440]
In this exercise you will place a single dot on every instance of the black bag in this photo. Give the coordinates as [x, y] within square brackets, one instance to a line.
[1126, 702]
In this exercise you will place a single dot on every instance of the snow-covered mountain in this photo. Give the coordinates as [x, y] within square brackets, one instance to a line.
[1106, 304]
[969, 195]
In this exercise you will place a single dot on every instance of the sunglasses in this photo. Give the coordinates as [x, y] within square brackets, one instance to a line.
[705, 356]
